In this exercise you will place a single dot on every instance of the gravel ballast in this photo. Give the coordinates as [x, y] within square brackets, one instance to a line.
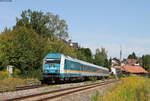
[14, 94]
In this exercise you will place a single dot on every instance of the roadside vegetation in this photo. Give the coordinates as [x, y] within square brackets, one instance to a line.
[132, 88]
[10, 82]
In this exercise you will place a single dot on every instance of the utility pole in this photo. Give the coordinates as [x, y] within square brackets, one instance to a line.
[120, 53]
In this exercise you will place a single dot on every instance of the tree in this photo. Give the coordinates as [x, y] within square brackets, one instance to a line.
[85, 54]
[101, 57]
[45, 24]
[4, 43]
[108, 64]
[132, 56]
[146, 62]
[58, 46]
[23, 48]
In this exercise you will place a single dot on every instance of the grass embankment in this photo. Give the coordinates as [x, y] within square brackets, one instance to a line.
[133, 88]
[8, 83]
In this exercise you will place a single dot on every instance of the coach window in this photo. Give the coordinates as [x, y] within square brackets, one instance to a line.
[82, 68]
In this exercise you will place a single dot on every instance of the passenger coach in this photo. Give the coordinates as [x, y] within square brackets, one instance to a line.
[57, 66]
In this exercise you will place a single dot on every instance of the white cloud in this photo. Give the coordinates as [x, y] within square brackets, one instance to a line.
[140, 41]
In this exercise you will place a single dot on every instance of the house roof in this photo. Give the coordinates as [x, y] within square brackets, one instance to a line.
[132, 69]
[132, 61]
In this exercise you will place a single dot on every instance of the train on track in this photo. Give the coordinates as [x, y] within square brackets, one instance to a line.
[58, 67]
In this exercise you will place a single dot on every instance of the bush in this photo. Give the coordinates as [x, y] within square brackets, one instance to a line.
[120, 75]
[16, 73]
[149, 74]
[4, 74]
[93, 79]
[35, 73]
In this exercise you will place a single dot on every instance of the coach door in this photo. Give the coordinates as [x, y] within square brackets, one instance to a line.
[66, 67]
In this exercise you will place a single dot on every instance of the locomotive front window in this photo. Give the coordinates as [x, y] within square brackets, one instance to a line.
[52, 61]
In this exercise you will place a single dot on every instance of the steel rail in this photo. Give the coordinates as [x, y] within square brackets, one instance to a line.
[29, 87]
[74, 91]
[83, 87]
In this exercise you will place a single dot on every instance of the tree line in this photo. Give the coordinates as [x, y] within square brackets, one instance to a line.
[36, 34]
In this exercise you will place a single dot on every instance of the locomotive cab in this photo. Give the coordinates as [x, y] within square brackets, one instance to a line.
[52, 66]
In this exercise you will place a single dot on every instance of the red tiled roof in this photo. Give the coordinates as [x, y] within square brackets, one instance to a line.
[132, 69]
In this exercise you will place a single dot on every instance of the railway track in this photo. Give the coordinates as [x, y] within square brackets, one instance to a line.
[60, 92]
[29, 87]
[19, 88]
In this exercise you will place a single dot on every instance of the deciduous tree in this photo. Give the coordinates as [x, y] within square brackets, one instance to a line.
[85, 54]
[101, 57]
[146, 62]
[23, 48]
[45, 24]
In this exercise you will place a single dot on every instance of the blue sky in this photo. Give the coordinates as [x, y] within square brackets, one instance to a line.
[94, 23]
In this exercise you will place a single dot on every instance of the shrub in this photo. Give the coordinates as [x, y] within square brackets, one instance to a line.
[149, 74]
[35, 73]
[93, 79]
[16, 72]
[4, 74]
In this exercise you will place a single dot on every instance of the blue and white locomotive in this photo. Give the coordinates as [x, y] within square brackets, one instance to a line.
[57, 66]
